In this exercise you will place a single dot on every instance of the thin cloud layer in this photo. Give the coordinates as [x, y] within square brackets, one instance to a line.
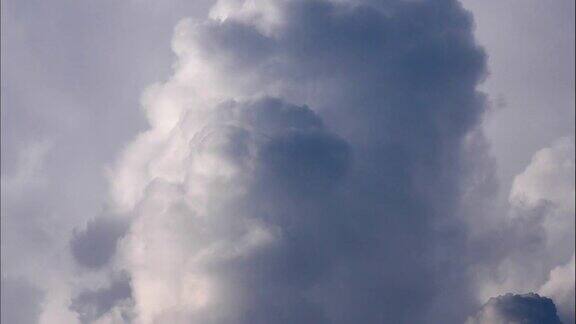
[21, 302]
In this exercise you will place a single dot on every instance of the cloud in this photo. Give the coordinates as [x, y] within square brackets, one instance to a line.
[508, 309]
[31, 160]
[308, 161]
[560, 287]
[91, 305]
[302, 149]
[536, 238]
[95, 245]
[21, 302]
[548, 178]
[242, 219]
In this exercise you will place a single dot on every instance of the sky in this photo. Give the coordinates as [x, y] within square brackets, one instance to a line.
[275, 161]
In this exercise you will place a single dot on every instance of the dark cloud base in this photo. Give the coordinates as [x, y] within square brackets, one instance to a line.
[92, 304]
[94, 246]
[526, 309]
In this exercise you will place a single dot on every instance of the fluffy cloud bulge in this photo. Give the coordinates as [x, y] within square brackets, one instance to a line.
[304, 165]
[320, 161]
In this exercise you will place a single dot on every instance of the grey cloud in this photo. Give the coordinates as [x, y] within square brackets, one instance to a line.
[70, 80]
[527, 309]
[94, 246]
[299, 166]
[92, 304]
[531, 246]
[366, 220]
[21, 302]
[326, 188]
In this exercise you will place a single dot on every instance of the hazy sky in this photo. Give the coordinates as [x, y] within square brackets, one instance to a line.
[274, 161]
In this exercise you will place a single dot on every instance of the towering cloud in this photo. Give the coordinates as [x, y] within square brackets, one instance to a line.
[304, 164]
[307, 161]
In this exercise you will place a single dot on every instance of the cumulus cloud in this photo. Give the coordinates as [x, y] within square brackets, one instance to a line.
[303, 149]
[309, 161]
[548, 178]
[95, 245]
[113, 301]
[549, 181]
[560, 287]
[509, 309]
[537, 236]
[240, 224]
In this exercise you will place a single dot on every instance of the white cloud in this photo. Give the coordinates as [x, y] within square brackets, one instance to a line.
[296, 147]
[541, 224]
[300, 149]
[560, 287]
[548, 179]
